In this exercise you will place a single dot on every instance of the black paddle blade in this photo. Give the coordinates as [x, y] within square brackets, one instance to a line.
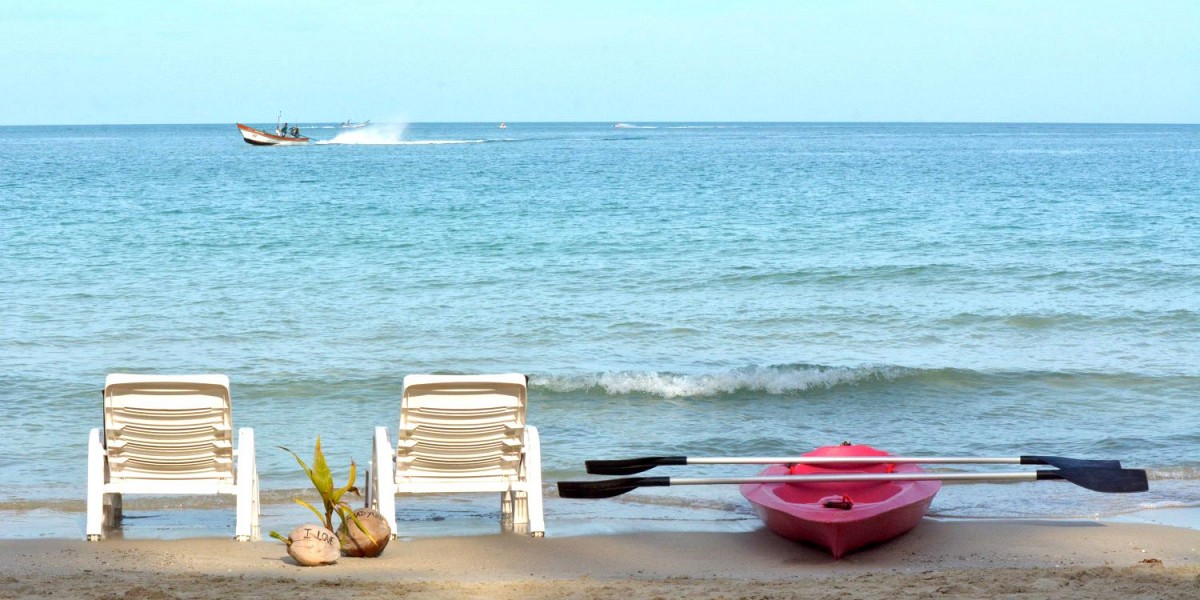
[1062, 462]
[629, 466]
[609, 487]
[1110, 481]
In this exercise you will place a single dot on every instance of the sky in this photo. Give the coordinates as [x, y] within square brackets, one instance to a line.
[221, 61]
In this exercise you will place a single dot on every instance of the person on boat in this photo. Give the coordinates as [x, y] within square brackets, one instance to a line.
[295, 132]
[283, 132]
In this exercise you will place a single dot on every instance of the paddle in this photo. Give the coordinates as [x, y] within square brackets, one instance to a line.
[1108, 480]
[629, 466]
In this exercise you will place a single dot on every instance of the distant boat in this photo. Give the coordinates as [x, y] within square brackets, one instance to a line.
[258, 137]
[503, 126]
[348, 125]
[624, 126]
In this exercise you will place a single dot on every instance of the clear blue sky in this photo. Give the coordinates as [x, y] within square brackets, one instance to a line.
[214, 61]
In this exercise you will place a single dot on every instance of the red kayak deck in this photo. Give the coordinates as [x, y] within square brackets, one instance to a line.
[842, 516]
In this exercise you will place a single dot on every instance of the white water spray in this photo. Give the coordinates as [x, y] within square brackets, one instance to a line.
[385, 134]
[371, 134]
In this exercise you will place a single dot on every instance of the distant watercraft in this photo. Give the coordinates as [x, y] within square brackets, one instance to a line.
[624, 126]
[348, 125]
[258, 137]
[503, 126]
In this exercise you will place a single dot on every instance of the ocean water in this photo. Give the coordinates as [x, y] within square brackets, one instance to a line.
[671, 289]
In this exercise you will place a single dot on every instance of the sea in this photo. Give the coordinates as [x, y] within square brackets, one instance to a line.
[690, 289]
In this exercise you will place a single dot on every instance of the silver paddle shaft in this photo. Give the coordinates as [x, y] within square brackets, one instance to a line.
[947, 477]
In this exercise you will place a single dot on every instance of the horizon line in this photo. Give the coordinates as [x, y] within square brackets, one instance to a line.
[633, 122]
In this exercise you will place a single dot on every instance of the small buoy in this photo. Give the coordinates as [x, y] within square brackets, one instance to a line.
[356, 543]
[313, 545]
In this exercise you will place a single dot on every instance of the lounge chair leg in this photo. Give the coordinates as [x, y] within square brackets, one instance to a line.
[520, 513]
[95, 487]
[533, 470]
[254, 516]
[387, 508]
[111, 510]
[247, 486]
[369, 495]
[382, 477]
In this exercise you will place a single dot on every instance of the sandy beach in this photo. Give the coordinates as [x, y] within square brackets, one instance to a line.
[993, 559]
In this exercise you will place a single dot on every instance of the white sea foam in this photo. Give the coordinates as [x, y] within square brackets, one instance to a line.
[1176, 473]
[1164, 504]
[772, 380]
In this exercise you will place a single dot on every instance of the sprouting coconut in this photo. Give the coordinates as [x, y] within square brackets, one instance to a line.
[331, 499]
[369, 543]
[312, 545]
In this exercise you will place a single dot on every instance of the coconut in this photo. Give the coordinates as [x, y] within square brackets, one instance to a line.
[313, 545]
[357, 543]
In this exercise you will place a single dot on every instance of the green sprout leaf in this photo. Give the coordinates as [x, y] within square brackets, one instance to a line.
[363, 528]
[322, 480]
[303, 465]
[337, 495]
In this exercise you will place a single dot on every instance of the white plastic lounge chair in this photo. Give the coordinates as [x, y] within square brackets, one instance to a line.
[461, 433]
[167, 435]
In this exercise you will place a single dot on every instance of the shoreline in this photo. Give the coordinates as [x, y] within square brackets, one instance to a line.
[148, 519]
[1050, 559]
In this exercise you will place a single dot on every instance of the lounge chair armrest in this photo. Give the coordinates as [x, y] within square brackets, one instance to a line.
[383, 463]
[246, 476]
[381, 477]
[245, 453]
[381, 444]
[533, 475]
[96, 477]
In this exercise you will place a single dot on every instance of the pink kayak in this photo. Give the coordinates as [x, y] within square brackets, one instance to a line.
[842, 516]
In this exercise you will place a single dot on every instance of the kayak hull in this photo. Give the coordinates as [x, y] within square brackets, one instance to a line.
[858, 515]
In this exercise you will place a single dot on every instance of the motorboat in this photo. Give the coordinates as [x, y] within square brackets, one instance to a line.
[259, 137]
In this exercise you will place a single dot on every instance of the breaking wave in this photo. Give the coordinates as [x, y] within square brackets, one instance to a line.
[791, 379]
[771, 380]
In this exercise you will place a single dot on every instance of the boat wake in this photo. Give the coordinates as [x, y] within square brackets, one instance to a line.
[384, 134]
[339, 141]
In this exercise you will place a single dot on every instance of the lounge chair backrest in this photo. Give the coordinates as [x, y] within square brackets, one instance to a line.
[461, 427]
[168, 427]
